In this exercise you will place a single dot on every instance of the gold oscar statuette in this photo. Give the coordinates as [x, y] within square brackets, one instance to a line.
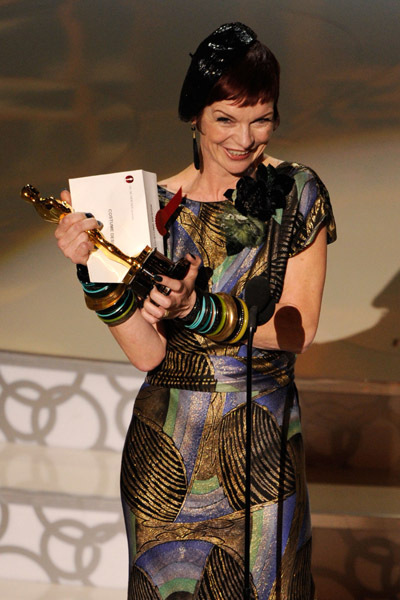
[142, 268]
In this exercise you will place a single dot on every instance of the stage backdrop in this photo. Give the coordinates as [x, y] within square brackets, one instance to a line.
[92, 87]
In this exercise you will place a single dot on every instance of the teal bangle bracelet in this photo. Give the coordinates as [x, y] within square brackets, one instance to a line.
[93, 289]
[117, 306]
[123, 316]
[200, 315]
[206, 314]
[209, 324]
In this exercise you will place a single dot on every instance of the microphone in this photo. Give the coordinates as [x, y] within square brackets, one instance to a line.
[258, 298]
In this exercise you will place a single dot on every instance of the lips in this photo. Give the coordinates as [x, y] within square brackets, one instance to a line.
[237, 154]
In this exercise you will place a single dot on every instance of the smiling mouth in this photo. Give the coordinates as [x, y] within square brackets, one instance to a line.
[237, 154]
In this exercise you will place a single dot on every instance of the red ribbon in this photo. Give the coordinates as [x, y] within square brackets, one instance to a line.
[164, 214]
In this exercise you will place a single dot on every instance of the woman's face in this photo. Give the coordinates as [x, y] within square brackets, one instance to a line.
[234, 137]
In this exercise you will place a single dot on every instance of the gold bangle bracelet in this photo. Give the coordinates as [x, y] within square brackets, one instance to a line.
[230, 322]
[106, 301]
[245, 323]
[222, 316]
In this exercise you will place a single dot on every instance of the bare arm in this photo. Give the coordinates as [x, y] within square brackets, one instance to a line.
[295, 321]
[142, 337]
[143, 344]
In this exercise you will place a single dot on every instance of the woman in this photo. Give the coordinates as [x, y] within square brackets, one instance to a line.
[245, 214]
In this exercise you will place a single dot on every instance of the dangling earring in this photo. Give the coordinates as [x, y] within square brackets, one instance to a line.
[196, 156]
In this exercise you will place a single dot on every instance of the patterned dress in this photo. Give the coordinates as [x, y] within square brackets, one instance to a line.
[182, 478]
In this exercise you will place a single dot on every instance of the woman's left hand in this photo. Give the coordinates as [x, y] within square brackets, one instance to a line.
[179, 301]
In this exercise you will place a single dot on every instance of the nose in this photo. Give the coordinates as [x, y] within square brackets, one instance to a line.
[245, 137]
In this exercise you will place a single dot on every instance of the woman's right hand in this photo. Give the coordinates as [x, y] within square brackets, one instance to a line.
[179, 301]
[71, 234]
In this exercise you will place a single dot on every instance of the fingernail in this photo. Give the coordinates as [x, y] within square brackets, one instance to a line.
[157, 278]
[192, 255]
[100, 224]
[89, 215]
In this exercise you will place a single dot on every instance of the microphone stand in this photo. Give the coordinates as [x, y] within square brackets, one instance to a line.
[249, 426]
[261, 308]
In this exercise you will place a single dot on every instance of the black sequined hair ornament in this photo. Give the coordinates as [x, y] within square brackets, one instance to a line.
[214, 56]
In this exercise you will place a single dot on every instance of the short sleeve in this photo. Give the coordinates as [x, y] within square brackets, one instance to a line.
[314, 211]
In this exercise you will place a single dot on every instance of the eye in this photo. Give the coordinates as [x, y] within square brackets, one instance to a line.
[223, 120]
[264, 120]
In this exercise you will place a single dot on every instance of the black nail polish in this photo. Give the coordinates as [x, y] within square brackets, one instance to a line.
[157, 278]
[100, 224]
[192, 255]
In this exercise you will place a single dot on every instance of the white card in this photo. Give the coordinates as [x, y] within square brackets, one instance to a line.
[126, 203]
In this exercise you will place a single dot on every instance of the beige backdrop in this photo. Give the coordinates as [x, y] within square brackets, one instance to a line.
[91, 86]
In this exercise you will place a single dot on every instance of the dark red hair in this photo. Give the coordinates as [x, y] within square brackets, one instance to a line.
[254, 78]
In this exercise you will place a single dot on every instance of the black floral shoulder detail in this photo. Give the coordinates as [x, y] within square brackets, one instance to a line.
[255, 201]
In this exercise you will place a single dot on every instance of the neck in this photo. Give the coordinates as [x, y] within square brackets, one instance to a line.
[210, 184]
[206, 188]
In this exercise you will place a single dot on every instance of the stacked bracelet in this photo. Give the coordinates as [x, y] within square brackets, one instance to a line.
[99, 296]
[221, 317]
[113, 303]
[121, 310]
[192, 314]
